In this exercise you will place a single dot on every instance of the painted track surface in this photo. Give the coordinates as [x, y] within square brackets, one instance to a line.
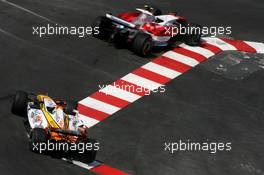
[197, 105]
[153, 76]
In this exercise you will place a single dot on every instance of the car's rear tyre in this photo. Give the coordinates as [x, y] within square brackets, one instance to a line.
[88, 156]
[104, 25]
[142, 44]
[193, 38]
[70, 107]
[19, 105]
[120, 39]
[38, 136]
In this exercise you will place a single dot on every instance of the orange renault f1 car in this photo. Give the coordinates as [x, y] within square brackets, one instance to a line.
[53, 126]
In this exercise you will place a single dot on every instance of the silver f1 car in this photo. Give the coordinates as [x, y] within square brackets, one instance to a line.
[146, 28]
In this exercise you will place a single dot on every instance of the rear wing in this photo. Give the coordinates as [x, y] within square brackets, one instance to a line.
[120, 21]
[126, 23]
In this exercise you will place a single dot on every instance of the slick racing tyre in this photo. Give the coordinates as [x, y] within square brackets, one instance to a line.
[88, 156]
[70, 107]
[104, 25]
[142, 44]
[38, 136]
[19, 105]
[193, 38]
[120, 39]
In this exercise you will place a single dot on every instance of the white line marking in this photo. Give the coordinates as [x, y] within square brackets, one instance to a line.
[219, 43]
[181, 58]
[120, 93]
[205, 52]
[259, 47]
[83, 165]
[140, 81]
[29, 11]
[99, 105]
[12, 35]
[88, 121]
[161, 70]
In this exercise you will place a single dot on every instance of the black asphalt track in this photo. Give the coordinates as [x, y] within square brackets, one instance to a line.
[199, 105]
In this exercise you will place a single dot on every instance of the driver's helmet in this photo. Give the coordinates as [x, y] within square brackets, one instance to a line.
[51, 106]
[155, 11]
[148, 8]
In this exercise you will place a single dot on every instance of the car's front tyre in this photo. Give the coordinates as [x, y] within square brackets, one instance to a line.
[38, 136]
[88, 156]
[193, 38]
[19, 105]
